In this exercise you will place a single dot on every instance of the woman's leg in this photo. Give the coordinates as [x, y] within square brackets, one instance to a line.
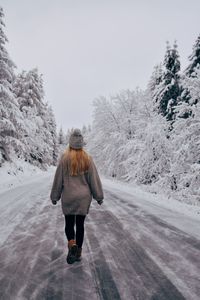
[80, 230]
[69, 227]
[69, 230]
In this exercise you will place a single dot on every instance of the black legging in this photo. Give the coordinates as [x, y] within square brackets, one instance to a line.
[69, 228]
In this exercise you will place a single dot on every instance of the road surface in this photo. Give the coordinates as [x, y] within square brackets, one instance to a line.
[128, 253]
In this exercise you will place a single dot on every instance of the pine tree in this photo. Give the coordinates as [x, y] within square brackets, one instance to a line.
[155, 79]
[89, 129]
[51, 127]
[61, 139]
[84, 130]
[68, 135]
[11, 123]
[167, 94]
[194, 59]
[38, 138]
[191, 73]
[29, 90]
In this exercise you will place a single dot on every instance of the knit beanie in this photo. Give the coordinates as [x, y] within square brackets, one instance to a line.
[76, 139]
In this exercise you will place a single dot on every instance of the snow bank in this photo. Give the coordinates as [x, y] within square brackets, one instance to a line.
[19, 172]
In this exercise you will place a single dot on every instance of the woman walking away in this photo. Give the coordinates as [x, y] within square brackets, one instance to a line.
[76, 182]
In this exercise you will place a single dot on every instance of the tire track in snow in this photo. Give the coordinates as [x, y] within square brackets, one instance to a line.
[102, 274]
[38, 280]
[20, 254]
[54, 287]
[132, 264]
[20, 208]
[192, 241]
[66, 281]
[172, 249]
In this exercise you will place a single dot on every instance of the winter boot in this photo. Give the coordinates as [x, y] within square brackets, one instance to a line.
[78, 254]
[71, 256]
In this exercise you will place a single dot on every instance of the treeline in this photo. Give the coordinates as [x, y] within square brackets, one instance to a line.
[27, 123]
[63, 138]
[152, 137]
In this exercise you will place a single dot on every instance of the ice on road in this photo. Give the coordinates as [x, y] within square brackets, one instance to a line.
[129, 251]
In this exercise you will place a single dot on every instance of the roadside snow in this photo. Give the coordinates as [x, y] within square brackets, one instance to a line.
[184, 216]
[19, 172]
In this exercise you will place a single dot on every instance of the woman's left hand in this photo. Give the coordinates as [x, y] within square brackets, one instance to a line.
[100, 202]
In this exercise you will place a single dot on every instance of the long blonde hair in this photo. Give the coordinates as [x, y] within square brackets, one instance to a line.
[76, 161]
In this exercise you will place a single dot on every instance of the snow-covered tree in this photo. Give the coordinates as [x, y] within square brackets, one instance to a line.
[194, 59]
[187, 77]
[155, 79]
[68, 136]
[86, 133]
[102, 141]
[154, 156]
[146, 156]
[114, 139]
[185, 164]
[11, 124]
[167, 93]
[61, 138]
[29, 91]
[84, 130]
[89, 128]
[40, 132]
[50, 125]
[191, 90]
[193, 85]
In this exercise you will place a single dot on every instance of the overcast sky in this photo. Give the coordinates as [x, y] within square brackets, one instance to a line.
[87, 48]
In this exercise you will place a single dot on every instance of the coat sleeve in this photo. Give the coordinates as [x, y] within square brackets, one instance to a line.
[95, 182]
[57, 186]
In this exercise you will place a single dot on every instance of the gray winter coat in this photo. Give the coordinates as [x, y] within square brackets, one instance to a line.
[76, 192]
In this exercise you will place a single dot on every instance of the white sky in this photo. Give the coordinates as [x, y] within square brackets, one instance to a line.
[87, 48]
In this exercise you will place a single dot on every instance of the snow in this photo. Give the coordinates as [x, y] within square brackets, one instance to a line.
[133, 244]
[182, 215]
[19, 172]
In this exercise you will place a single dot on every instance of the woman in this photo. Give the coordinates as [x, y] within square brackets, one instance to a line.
[76, 181]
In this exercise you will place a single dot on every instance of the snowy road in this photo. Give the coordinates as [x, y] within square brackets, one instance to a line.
[129, 252]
